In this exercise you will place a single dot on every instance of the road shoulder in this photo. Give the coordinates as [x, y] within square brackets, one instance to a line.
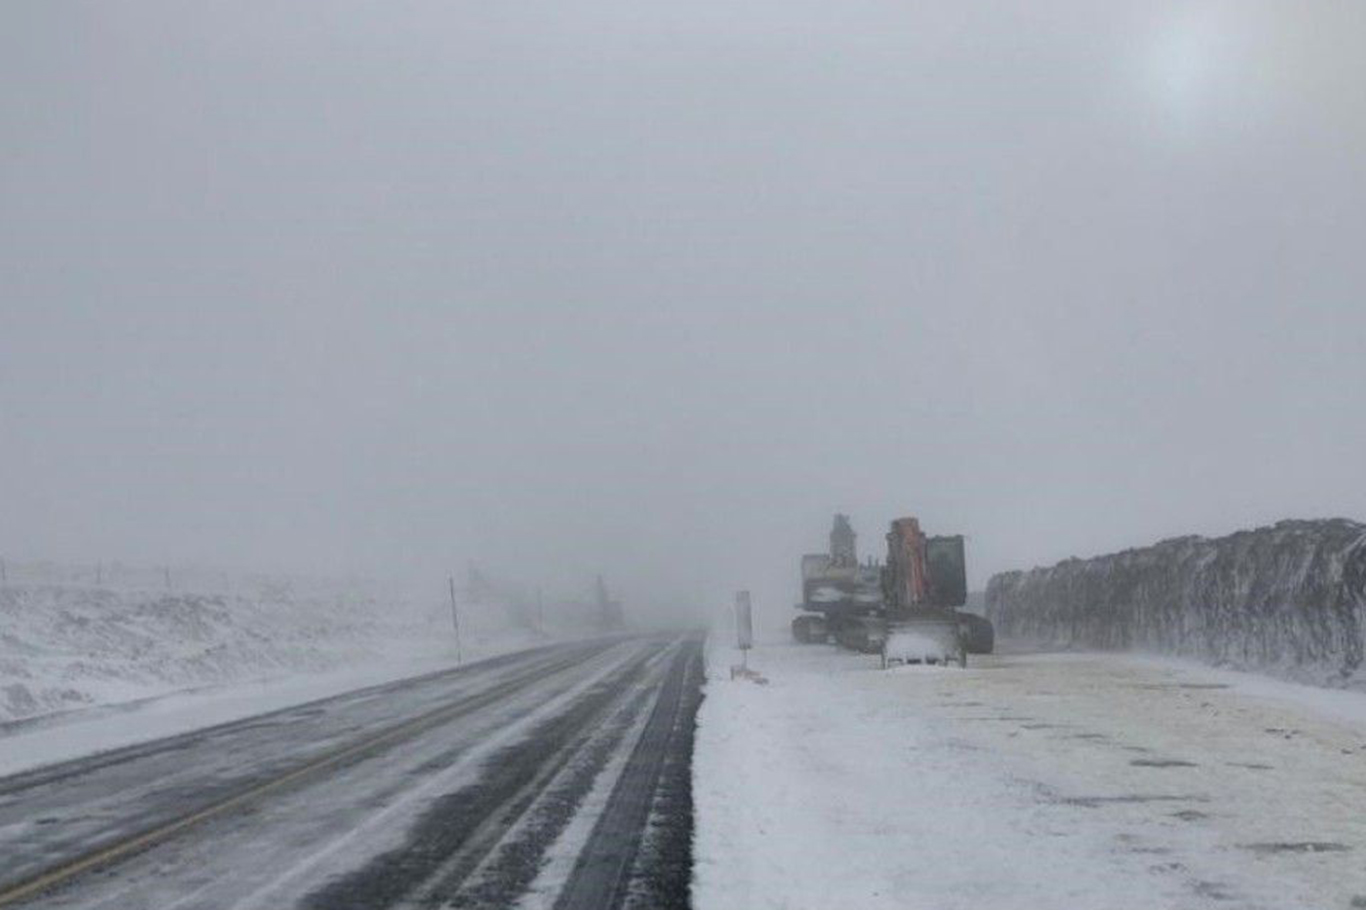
[1017, 782]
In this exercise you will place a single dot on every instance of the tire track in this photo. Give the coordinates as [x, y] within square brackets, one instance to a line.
[460, 829]
[602, 877]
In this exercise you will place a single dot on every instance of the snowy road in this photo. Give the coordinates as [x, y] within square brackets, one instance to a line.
[541, 778]
[1026, 781]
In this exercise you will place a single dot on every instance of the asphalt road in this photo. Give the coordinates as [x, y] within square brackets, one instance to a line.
[555, 778]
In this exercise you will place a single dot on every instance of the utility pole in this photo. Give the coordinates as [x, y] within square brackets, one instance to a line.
[455, 620]
[167, 571]
[540, 611]
[99, 573]
[4, 576]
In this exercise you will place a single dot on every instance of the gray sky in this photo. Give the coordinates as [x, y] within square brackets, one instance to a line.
[653, 288]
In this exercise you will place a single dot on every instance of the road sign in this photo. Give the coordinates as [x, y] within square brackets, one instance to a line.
[744, 626]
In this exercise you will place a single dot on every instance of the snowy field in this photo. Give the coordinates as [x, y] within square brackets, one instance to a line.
[1025, 781]
[80, 643]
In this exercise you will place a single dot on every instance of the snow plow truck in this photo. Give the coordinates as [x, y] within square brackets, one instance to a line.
[905, 610]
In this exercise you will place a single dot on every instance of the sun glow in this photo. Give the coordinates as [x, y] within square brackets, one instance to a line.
[1185, 58]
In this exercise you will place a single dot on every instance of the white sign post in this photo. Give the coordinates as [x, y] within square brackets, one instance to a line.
[744, 626]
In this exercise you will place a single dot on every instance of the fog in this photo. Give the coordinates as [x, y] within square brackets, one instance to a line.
[653, 289]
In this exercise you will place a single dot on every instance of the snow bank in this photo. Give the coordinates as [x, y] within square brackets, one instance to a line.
[68, 642]
[1288, 599]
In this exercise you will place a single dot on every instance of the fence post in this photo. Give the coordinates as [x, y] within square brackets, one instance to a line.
[455, 620]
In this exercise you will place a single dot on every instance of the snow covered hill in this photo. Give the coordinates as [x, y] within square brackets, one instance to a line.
[72, 637]
[1288, 599]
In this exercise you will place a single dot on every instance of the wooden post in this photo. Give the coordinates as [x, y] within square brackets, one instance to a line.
[455, 620]
[744, 627]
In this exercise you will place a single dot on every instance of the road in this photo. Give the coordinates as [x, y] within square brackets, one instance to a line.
[553, 778]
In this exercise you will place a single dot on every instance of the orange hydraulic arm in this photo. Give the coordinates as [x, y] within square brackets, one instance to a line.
[906, 564]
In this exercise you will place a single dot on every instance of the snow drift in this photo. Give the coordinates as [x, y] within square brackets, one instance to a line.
[1288, 599]
[73, 637]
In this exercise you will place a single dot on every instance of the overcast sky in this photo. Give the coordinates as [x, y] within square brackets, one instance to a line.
[653, 288]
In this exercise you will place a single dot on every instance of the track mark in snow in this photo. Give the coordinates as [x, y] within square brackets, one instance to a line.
[664, 868]
[602, 873]
[1003, 718]
[460, 828]
[1095, 802]
[558, 859]
[1153, 687]
[516, 863]
[1167, 868]
[1218, 891]
[1308, 846]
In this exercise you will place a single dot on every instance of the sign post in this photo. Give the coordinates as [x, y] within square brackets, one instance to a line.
[455, 620]
[744, 626]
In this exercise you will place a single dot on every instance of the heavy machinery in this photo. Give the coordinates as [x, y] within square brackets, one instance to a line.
[841, 598]
[905, 610]
[925, 578]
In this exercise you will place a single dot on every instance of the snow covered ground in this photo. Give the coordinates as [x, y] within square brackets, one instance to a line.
[75, 641]
[1025, 781]
[72, 734]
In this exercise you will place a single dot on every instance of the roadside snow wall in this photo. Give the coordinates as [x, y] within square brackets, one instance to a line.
[1288, 599]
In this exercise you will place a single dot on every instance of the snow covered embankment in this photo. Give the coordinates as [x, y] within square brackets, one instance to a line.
[65, 644]
[1288, 599]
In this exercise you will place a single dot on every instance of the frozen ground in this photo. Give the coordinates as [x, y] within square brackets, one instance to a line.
[1026, 781]
[77, 639]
